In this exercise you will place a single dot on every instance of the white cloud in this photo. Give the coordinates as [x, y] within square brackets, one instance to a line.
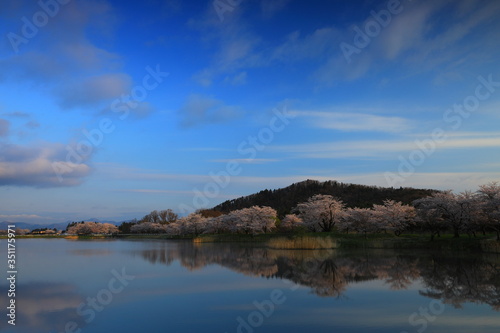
[34, 166]
[62, 49]
[63, 59]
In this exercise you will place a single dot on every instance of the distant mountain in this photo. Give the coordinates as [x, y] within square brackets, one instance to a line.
[95, 219]
[59, 226]
[21, 225]
[285, 199]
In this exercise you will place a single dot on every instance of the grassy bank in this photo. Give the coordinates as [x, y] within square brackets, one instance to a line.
[352, 241]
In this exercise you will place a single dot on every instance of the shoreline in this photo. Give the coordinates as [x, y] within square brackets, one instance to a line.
[314, 241]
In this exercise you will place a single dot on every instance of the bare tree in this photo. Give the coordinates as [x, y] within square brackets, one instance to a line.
[167, 216]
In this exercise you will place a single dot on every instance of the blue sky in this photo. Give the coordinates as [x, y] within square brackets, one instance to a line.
[111, 109]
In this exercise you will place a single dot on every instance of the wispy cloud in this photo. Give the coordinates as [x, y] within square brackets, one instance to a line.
[94, 90]
[201, 110]
[316, 45]
[418, 40]
[23, 217]
[185, 193]
[456, 181]
[126, 173]
[16, 114]
[152, 191]
[381, 149]
[237, 79]
[270, 8]
[247, 160]
[355, 122]
[4, 127]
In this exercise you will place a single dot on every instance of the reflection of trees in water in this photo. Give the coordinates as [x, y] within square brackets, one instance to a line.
[453, 280]
[162, 255]
[458, 280]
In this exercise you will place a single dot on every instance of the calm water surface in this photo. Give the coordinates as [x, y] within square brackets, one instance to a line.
[177, 286]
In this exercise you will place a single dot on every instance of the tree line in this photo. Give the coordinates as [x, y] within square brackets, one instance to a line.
[466, 212]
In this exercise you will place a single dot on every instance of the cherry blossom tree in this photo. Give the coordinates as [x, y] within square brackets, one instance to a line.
[291, 222]
[88, 228]
[219, 224]
[147, 228]
[255, 220]
[229, 222]
[22, 231]
[394, 216]
[193, 224]
[471, 212]
[429, 219]
[321, 212]
[107, 228]
[489, 196]
[456, 210]
[173, 229]
[359, 220]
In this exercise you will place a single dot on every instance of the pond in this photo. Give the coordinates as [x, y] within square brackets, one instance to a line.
[179, 286]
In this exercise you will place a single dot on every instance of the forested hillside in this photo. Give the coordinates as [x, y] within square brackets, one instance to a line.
[284, 199]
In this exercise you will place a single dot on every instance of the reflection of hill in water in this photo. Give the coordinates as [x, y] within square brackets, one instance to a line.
[452, 279]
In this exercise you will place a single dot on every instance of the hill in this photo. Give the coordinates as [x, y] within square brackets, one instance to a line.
[285, 199]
